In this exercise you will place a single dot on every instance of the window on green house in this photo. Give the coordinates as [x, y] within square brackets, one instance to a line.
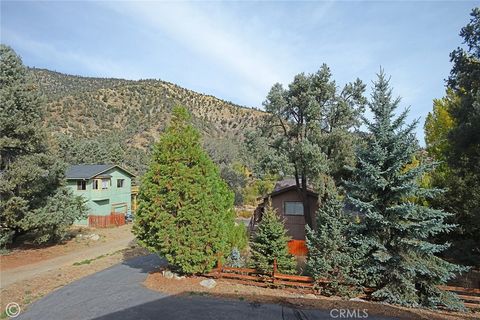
[95, 184]
[81, 185]
[120, 183]
[105, 183]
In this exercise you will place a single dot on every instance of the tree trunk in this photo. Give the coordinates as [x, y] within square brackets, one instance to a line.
[303, 192]
[306, 204]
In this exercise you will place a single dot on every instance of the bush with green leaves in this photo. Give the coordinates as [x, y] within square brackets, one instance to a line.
[238, 236]
[271, 242]
[48, 224]
[329, 254]
[185, 209]
[32, 199]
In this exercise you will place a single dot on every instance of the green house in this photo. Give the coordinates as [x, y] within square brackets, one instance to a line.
[107, 188]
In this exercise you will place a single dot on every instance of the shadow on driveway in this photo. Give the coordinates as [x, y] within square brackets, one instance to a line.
[116, 288]
[118, 293]
[145, 264]
[194, 306]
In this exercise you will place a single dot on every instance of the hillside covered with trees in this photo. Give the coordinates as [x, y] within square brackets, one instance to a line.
[99, 120]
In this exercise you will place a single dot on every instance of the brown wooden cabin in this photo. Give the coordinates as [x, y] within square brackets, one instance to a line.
[287, 201]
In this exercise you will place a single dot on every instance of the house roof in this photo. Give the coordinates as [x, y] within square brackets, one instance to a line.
[287, 185]
[88, 171]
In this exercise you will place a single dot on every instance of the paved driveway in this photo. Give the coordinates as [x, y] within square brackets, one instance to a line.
[118, 293]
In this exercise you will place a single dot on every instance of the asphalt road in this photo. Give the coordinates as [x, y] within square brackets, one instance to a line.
[118, 293]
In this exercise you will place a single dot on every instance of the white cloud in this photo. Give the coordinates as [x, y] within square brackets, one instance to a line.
[95, 65]
[218, 35]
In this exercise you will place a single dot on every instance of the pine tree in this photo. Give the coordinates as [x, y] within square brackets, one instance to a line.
[185, 209]
[270, 242]
[32, 199]
[329, 254]
[399, 260]
[307, 130]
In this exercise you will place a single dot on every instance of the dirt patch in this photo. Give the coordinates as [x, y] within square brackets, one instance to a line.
[28, 291]
[28, 254]
[232, 289]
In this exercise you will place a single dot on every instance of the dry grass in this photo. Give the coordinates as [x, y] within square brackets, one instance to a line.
[28, 254]
[243, 213]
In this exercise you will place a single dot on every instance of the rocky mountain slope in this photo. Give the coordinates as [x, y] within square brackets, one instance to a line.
[133, 113]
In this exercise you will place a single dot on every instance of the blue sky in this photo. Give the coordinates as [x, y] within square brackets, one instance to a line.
[238, 50]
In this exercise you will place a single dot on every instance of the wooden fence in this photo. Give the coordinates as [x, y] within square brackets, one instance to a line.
[470, 296]
[114, 219]
[255, 277]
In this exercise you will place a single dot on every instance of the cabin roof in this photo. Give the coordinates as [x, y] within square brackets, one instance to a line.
[89, 171]
[286, 185]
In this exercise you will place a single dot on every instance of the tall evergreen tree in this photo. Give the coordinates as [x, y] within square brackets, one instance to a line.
[308, 128]
[270, 243]
[465, 82]
[32, 199]
[329, 254]
[463, 154]
[185, 209]
[395, 233]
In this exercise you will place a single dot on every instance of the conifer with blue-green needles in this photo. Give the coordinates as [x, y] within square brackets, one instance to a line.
[394, 236]
[329, 254]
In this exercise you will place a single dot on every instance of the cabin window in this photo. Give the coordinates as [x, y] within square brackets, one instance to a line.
[95, 184]
[294, 208]
[120, 183]
[81, 185]
[105, 183]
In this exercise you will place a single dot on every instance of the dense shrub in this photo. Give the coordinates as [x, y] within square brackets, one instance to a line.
[238, 236]
[48, 224]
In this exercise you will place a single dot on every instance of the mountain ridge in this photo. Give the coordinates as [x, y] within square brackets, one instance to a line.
[35, 71]
[133, 113]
